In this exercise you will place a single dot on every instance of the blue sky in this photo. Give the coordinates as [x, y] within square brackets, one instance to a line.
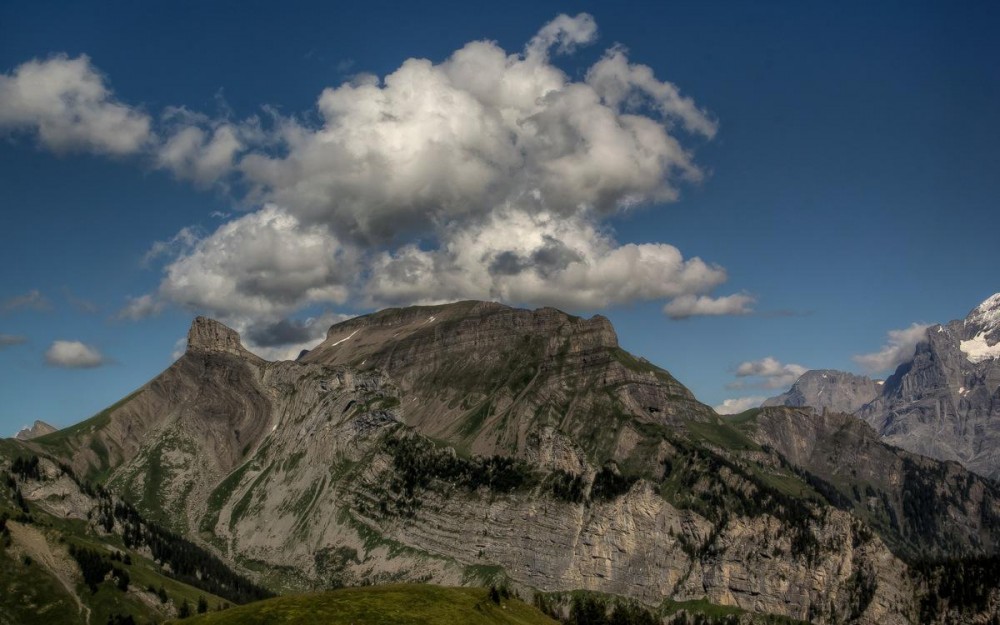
[838, 161]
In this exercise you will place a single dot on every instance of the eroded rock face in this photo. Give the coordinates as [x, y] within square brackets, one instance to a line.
[826, 389]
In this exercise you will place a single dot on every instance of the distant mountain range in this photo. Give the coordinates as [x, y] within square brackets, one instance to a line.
[943, 403]
[477, 444]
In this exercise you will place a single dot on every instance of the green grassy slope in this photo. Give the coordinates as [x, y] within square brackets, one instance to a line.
[382, 605]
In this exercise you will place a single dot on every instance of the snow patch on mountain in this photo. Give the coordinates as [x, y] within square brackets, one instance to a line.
[977, 349]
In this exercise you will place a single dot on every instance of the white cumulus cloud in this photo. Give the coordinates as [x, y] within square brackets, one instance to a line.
[899, 347]
[537, 258]
[68, 105]
[73, 355]
[490, 174]
[264, 264]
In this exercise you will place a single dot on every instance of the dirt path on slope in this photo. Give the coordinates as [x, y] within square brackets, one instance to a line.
[34, 544]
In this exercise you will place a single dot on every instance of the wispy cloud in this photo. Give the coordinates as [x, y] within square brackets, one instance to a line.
[899, 347]
[9, 340]
[32, 300]
[80, 304]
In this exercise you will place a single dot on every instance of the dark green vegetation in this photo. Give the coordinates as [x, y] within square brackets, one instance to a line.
[954, 588]
[382, 605]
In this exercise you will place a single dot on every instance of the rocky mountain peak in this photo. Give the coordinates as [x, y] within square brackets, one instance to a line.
[981, 332]
[987, 313]
[38, 428]
[208, 335]
[826, 389]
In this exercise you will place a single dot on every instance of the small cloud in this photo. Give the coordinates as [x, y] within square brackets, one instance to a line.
[345, 66]
[770, 372]
[140, 307]
[9, 340]
[737, 405]
[73, 355]
[899, 347]
[184, 240]
[32, 300]
[179, 348]
[703, 305]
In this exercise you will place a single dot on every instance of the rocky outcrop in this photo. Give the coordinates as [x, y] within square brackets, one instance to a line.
[38, 428]
[826, 389]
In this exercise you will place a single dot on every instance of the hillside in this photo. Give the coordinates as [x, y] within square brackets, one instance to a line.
[65, 560]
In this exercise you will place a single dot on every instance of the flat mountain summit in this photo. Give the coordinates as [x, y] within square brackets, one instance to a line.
[478, 444]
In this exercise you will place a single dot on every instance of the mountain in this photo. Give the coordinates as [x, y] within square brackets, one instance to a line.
[38, 428]
[943, 403]
[477, 444]
[826, 389]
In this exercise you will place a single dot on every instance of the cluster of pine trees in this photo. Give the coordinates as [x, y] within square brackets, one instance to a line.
[955, 589]
[187, 561]
[95, 567]
[420, 465]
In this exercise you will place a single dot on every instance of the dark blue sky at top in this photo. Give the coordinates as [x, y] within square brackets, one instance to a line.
[852, 185]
